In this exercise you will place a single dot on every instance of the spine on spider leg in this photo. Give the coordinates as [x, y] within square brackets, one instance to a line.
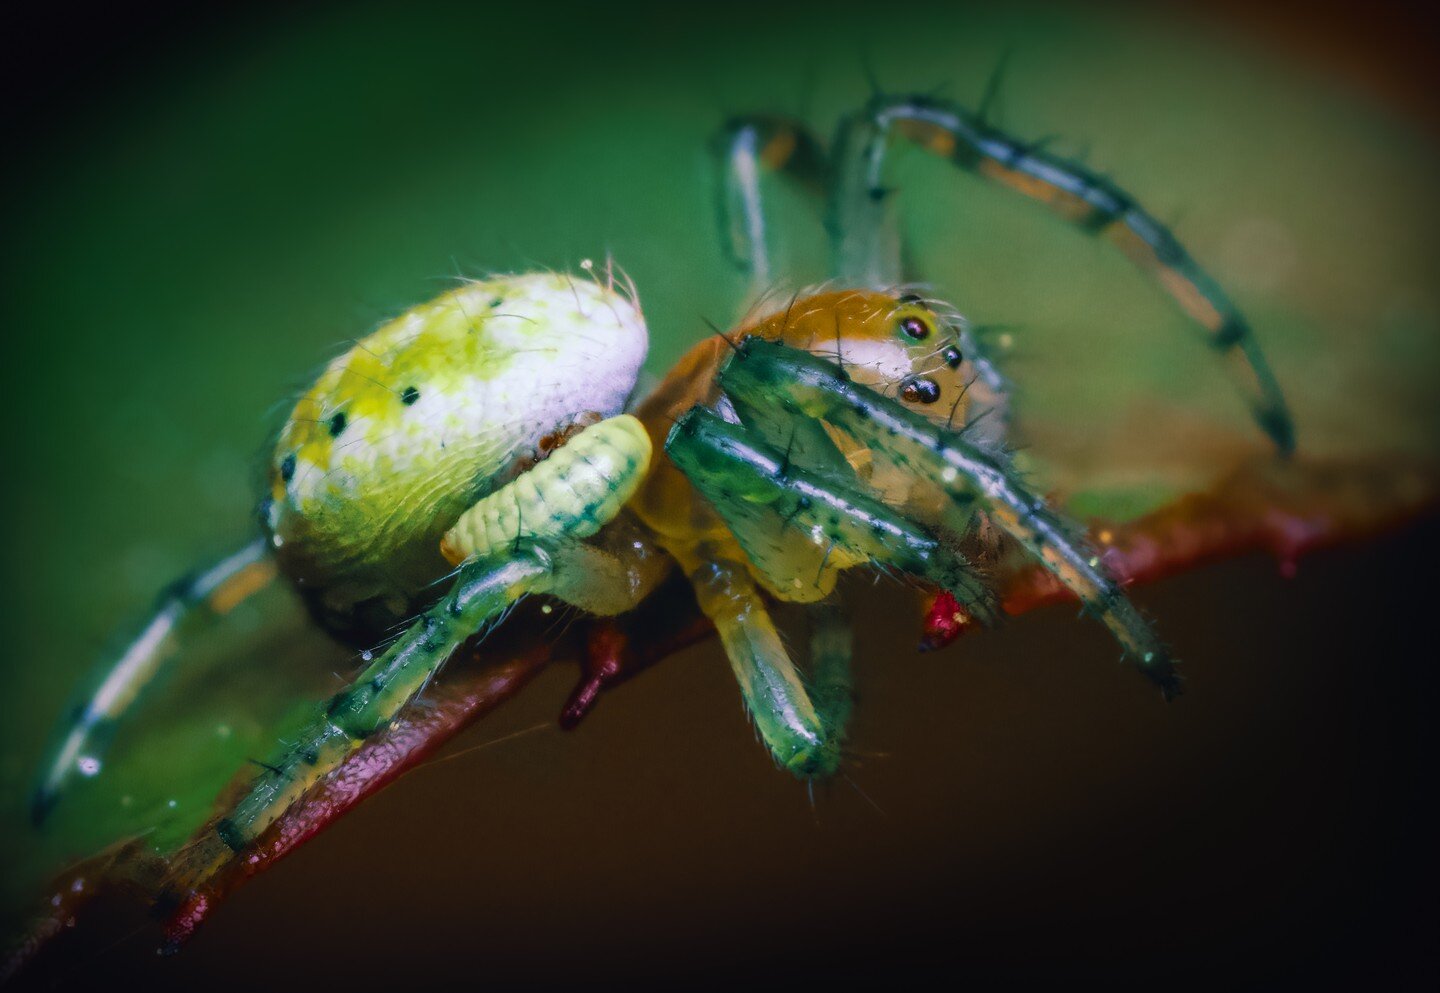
[209, 593]
[1091, 202]
[482, 593]
[966, 471]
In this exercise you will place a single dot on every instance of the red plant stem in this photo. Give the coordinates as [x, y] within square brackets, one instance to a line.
[1285, 508]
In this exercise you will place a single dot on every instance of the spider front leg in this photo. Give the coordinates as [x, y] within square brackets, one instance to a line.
[866, 242]
[525, 538]
[798, 529]
[770, 375]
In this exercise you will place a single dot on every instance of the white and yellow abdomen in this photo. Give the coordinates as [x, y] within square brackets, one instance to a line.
[428, 414]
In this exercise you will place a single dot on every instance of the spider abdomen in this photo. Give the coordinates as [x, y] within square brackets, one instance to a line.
[418, 420]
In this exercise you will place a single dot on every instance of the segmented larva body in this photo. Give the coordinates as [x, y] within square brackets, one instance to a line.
[405, 431]
[568, 496]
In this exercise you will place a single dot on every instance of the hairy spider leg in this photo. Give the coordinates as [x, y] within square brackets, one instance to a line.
[184, 608]
[763, 372]
[747, 147]
[866, 243]
[522, 539]
[781, 515]
[792, 727]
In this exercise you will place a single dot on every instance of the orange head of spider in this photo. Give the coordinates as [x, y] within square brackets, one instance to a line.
[893, 343]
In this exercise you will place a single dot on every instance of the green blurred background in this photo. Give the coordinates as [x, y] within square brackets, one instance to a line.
[200, 212]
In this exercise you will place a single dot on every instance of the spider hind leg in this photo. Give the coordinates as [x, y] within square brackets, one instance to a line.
[184, 610]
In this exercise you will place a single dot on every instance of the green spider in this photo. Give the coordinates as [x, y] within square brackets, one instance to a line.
[486, 446]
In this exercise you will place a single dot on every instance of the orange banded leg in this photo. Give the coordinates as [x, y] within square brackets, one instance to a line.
[866, 243]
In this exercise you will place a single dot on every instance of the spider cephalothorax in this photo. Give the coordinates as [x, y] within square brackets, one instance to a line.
[857, 426]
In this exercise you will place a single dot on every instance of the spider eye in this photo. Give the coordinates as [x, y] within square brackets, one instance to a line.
[914, 327]
[953, 358]
[922, 389]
